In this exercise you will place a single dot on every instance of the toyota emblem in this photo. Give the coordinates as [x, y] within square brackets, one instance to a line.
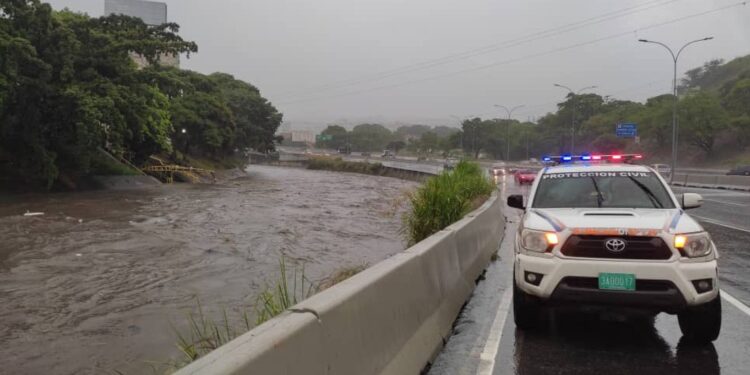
[615, 245]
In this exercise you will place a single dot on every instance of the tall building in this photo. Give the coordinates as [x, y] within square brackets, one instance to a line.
[152, 13]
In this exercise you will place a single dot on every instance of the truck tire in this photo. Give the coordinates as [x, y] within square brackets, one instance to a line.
[701, 324]
[526, 309]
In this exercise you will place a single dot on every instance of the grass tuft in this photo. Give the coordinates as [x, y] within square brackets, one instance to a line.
[340, 276]
[275, 300]
[204, 334]
[445, 199]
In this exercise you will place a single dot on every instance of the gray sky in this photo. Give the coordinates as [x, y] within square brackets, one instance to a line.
[406, 61]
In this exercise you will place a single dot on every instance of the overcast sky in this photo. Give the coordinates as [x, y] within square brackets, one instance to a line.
[421, 61]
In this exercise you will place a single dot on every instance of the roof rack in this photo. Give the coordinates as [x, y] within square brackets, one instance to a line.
[591, 158]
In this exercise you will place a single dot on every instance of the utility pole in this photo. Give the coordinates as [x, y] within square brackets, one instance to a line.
[573, 120]
[675, 57]
[509, 112]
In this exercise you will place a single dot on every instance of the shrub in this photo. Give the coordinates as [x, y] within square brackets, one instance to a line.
[445, 199]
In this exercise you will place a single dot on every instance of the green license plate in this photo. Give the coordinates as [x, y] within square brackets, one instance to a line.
[617, 281]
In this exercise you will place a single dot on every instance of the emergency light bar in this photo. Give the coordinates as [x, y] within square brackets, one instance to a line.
[616, 158]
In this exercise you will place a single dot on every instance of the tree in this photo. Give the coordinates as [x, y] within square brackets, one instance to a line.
[339, 137]
[68, 86]
[256, 119]
[737, 99]
[396, 146]
[370, 137]
[608, 144]
[701, 119]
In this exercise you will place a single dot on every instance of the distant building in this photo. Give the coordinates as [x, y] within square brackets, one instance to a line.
[298, 138]
[152, 13]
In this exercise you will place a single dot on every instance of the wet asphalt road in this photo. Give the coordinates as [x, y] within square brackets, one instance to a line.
[485, 339]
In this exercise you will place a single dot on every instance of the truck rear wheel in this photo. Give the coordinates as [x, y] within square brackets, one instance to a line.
[701, 324]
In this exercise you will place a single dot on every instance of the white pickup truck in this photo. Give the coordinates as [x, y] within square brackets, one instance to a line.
[614, 237]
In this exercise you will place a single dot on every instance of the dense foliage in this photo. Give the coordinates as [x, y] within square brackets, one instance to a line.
[70, 88]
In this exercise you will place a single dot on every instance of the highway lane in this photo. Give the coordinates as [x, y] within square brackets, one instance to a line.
[486, 341]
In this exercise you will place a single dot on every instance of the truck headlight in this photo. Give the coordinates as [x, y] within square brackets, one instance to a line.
[693, 245]
[540, 242]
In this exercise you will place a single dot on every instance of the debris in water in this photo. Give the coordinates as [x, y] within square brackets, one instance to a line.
[27, 214]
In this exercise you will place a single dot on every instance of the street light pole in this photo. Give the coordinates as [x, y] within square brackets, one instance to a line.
[675, 57]
[575, 107]
[507, 127]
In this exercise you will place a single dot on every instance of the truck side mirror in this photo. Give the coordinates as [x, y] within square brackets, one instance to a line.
[516, 201]
[690, 200]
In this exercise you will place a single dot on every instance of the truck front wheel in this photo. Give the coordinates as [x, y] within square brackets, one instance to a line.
[701, 324]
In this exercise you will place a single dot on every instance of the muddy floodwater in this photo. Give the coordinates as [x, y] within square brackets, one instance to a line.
[95, 284]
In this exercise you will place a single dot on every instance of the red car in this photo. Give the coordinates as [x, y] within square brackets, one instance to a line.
[525, 176]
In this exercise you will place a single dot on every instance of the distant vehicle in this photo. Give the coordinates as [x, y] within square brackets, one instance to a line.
[525, 176]
[365, 154]
[740, 171]
[345, 150]
[498, 169]
[663, 169]
[388, 154]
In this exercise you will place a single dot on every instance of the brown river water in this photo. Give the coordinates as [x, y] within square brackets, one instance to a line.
[95, 285]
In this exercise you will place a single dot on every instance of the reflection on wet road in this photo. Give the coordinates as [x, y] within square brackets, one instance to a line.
[93, 285]
[575, 343]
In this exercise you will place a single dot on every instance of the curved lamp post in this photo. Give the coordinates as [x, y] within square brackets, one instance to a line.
[507, 127]
[675, 57]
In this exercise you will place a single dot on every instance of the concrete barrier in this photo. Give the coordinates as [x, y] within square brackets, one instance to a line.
[389, 319]
[712, 181]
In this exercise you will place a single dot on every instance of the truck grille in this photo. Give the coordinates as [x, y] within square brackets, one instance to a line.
[648, 248]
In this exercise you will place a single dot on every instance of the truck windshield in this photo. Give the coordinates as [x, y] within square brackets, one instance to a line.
[601, 189]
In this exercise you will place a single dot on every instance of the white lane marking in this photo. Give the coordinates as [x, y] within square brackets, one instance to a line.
[725, 202]
[734, 301]
[487, 358]
[720, 223]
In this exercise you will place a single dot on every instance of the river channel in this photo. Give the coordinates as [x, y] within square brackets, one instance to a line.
[95, 285]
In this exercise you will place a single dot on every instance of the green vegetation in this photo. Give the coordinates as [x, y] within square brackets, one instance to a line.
[106, 166]
[339, 165]
[713, 110]
[445, 199]
[275, 300]
[204, 334]
[417, 139]
[340, 276]
[69, 86]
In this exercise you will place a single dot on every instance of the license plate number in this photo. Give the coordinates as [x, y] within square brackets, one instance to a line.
[617, 281]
